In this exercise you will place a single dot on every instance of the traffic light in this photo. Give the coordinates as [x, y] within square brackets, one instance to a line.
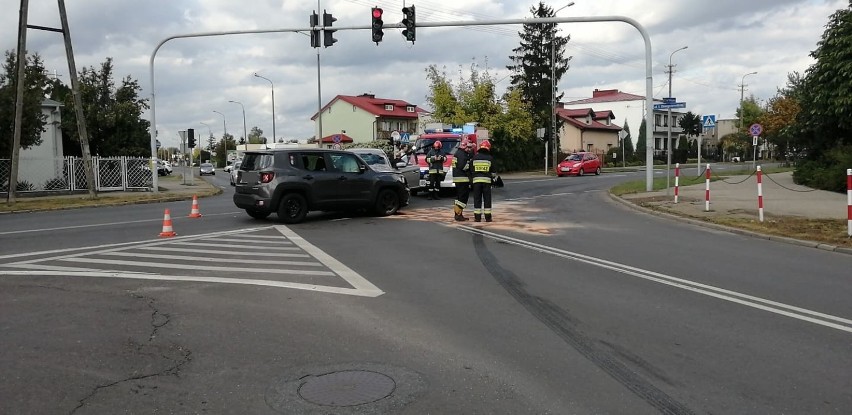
[377, 25]
[327, 20]
[190, 138]
[315, 32]
[408, 22]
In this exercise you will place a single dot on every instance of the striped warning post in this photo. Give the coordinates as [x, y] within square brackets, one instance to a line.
[677, 176]
[759, 193]
[849, 202]
[707, 189]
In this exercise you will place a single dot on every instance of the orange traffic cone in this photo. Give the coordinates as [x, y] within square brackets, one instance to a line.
[167, 232]
[194, 213]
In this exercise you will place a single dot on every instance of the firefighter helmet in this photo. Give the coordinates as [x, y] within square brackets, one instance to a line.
[437, 144]
[485, 145]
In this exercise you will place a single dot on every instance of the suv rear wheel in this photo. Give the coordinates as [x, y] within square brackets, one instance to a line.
[293, 208]
[387, 203]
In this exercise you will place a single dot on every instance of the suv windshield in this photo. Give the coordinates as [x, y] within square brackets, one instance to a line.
[373, 159]
[256, 161]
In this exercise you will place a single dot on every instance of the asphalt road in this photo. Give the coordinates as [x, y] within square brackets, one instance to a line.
[567, 303]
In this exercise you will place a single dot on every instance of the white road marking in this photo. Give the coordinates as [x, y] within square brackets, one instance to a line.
[186, 278]
[96, 225]
[36, 267]
[266, 247]
[209, 259]
[353, 278]
[803, 314]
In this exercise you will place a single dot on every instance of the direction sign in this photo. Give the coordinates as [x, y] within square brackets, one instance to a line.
[708, 121]
[667, 106]
[669, 100]
[755, 129]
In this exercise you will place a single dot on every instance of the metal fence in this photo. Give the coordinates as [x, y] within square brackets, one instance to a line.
[68, 174]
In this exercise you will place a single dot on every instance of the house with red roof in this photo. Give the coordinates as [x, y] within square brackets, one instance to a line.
[364, 118]
[585, 129]
[632, 107]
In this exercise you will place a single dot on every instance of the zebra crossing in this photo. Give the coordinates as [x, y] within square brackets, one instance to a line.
[273, 256]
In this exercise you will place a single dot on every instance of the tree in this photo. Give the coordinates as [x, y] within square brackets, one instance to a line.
[255, 136]
[825, 94]
[222, 151]
[33, 121]
[627, 142]
[113, 115]
[538, 65]
[691, 124]
[777, 121]
[641, 147]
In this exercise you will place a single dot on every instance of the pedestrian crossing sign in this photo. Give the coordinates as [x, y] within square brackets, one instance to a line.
[708, 121]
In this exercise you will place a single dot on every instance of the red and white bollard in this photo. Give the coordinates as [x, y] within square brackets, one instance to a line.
[707, 189]
[677, 175]
[759, 193]
[849, 202]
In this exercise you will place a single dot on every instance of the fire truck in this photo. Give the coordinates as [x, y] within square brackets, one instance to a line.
[450, 137]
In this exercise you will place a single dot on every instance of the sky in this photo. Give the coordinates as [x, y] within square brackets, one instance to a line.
[725, 40]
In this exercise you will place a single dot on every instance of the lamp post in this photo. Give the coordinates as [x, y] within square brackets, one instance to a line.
[669, 122]
[742, 91]
[553, 134]
[209, 132]
[224, 137]
[272, 86]
[245, 134]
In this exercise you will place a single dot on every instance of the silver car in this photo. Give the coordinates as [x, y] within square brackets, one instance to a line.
[234, 171]
[378, 160]
[206, 168]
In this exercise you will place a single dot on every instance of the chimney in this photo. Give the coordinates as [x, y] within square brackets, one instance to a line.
[366, 95]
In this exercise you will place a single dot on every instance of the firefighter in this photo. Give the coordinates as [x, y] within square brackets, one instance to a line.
[462, 171]
[435, 159]
[483, 170]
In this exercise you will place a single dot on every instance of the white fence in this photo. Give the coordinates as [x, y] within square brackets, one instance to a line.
[38, 175]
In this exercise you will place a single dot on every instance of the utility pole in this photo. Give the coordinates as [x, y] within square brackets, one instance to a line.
[78, 105]
[669, 123]
[19, 100]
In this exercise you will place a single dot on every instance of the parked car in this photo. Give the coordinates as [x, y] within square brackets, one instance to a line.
[164, 168]
[378, 160]
[235, 167]
[579, 164]
[292, 182]
[206, 168]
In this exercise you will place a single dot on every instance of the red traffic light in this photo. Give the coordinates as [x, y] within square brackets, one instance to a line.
[377, 13]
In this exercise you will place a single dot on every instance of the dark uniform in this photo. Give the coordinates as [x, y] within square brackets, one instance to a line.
[462, 171]
[435, 159]
[483, 168]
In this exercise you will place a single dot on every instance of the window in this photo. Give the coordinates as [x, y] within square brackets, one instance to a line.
[409, 109]
[388, 107]
[347, 163]
[658, 120]
[313, 162]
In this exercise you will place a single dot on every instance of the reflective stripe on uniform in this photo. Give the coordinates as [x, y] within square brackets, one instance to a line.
[477, 179]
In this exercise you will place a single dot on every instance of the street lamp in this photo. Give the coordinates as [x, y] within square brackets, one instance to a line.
[742, 91]
[553, 135]
[272, 86]
[209, 131]
[224, 137]
[669, 122]
[245, 134]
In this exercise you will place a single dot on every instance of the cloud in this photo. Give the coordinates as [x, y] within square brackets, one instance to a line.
[194, 77]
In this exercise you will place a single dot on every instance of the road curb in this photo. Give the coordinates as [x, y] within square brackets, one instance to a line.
[697, 222]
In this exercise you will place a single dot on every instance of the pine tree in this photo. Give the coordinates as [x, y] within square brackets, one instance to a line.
[535, 71]
[640, 144]
[628, 142]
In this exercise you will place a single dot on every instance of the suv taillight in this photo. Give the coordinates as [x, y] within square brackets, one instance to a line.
[266, 177]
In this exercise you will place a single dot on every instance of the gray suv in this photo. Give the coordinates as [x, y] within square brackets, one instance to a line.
[292, 182]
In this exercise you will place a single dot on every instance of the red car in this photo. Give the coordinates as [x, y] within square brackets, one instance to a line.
[579, 164]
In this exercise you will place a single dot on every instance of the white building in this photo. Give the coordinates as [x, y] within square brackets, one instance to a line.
[45, 161]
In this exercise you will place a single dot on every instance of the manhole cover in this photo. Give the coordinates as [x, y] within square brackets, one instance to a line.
[347, 388]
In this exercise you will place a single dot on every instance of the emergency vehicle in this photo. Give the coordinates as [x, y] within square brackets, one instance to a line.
[450, 137]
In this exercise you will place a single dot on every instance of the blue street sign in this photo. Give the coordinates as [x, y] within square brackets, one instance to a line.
[755, 129]
[405, 138]
[708, 121]
[667, 106]
[669, 100]
[336, 138]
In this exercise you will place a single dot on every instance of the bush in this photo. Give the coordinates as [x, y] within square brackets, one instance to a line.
[56, 183]
[827, 174]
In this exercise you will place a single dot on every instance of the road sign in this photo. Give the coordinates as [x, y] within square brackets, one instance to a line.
[755, 129]
[754, 140]
[336, 139]
[336, 146]
[669, 100]
[405, 138]
[395, 135]
[708, 121]
[668, 106]
[158, 144]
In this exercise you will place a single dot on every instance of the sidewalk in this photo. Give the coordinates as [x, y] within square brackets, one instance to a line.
[737, 195]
